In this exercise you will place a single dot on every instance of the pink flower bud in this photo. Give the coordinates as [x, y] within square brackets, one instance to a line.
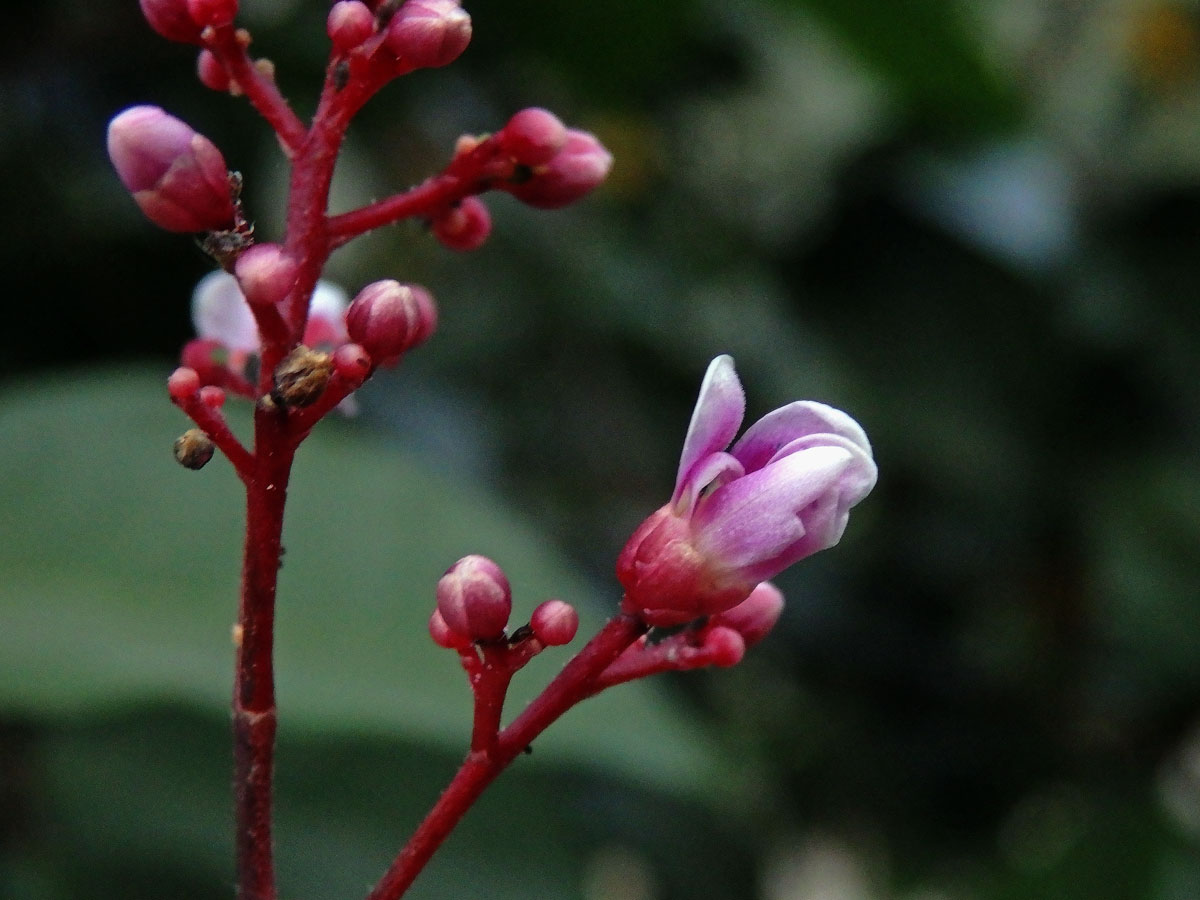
[724, 646]
[177, 177]
[171, 19]
[575, 170]
[217, 13]
[444, 636]
[426, 34]
[554, 623]
[265, 273]
[208, 358]
[755, 616]
[474, 598]
[211, 73]
[389, 318]
[350, 22]
[183, 383]
[533, 136]
[464, 226]
[212, 396]
[352, 362]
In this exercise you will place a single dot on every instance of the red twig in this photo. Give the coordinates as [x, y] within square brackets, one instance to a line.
[212, 423]
[481, 767]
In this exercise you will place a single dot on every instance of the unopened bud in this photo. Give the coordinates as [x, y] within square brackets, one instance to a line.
[208, 358]
[389, 318]
[193, 449]
[575, 171]
[352, 362]
[426, 34]
[464, 226]
[217, 13]
[301, 377]
[724, 646]
[177, 177]
[445, 636]
[183, 383]
[350, 22]
[212, 396]
[474, 598]
[533, 136]
[755, 616]
[554, 623]
[171, 19]
[265, 273]
[211, 73]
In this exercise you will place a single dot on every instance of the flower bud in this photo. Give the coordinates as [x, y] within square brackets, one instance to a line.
[554, 623]
[426, 34]
[301, 377]
[389, 318]
[211, 73]
[171, 19]
[212, 396]
[350, 22]
[755, 616]
[265, 273]
[724, 646]
[193, 449]
[533, 136]
[474, 598]
[217, 13]
[352, 362]
[575, 170]
[183, 383]
[464, 226]
[444, 636]
[177, 177]
[208, 358]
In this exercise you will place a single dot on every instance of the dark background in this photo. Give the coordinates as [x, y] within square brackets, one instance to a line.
[971, 225]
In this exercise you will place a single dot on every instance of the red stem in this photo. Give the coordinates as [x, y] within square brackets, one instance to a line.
[435, 193]
[481, 767]
[213, 424]
[254, 713]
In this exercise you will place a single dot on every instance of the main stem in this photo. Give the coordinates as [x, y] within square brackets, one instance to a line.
[254, 713]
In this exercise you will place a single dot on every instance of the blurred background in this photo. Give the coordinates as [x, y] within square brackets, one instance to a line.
[973, 225]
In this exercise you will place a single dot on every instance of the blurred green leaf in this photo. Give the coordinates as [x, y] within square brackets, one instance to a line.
[120, 575]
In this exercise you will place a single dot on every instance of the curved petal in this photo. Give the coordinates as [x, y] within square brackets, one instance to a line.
[760, 524]
[221, 313]
[768, 435]
[710, 473]
[858, 479]
[715, 420]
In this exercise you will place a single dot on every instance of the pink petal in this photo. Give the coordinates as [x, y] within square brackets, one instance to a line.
[715, 420]
[768, 435]
[221, 313]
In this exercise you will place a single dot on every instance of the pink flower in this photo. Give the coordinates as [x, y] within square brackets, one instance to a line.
[220, 313]
[742, 516]
[177, 177]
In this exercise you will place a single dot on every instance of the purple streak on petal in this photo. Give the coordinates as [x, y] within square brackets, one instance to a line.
[768, 435]
[707, 475]
[762, 523]
[715, 420]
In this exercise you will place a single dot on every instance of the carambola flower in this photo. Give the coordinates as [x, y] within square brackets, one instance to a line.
[737, 518]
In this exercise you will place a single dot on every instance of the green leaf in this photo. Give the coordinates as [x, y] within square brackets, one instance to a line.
[120, 573]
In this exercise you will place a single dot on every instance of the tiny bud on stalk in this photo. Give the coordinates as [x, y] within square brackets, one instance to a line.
[389, 318]
[217, 13]
[350, 22]
[265, 273]
[427, 34]
[755, 616]
[724, 646]
[211, 73]
[177, 177]
[208, 358]
[533, 136]
[464, 226]
[171, 19]
[212, 396]
[573, 172]
[554, 623]
[183, 383]
[444, 636]
[193, 449]
[474, 598]
[301, 378]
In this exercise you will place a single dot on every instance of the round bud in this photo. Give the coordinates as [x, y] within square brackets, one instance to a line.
[389, 318]
[474, 598]
[464, 226]
[724, 646]
[217, 13]
[425, 34]
[301, 377]
[193, 449]
[755, 616]
[352, 362]
[554, 623]
[575, 170]
[182, 384]
[533, 136]
[212, 396]
[350, 22]
[265, 273]
[211, 73]
[171, 19]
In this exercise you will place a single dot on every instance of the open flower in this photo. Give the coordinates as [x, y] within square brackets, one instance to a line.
[737, 518]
